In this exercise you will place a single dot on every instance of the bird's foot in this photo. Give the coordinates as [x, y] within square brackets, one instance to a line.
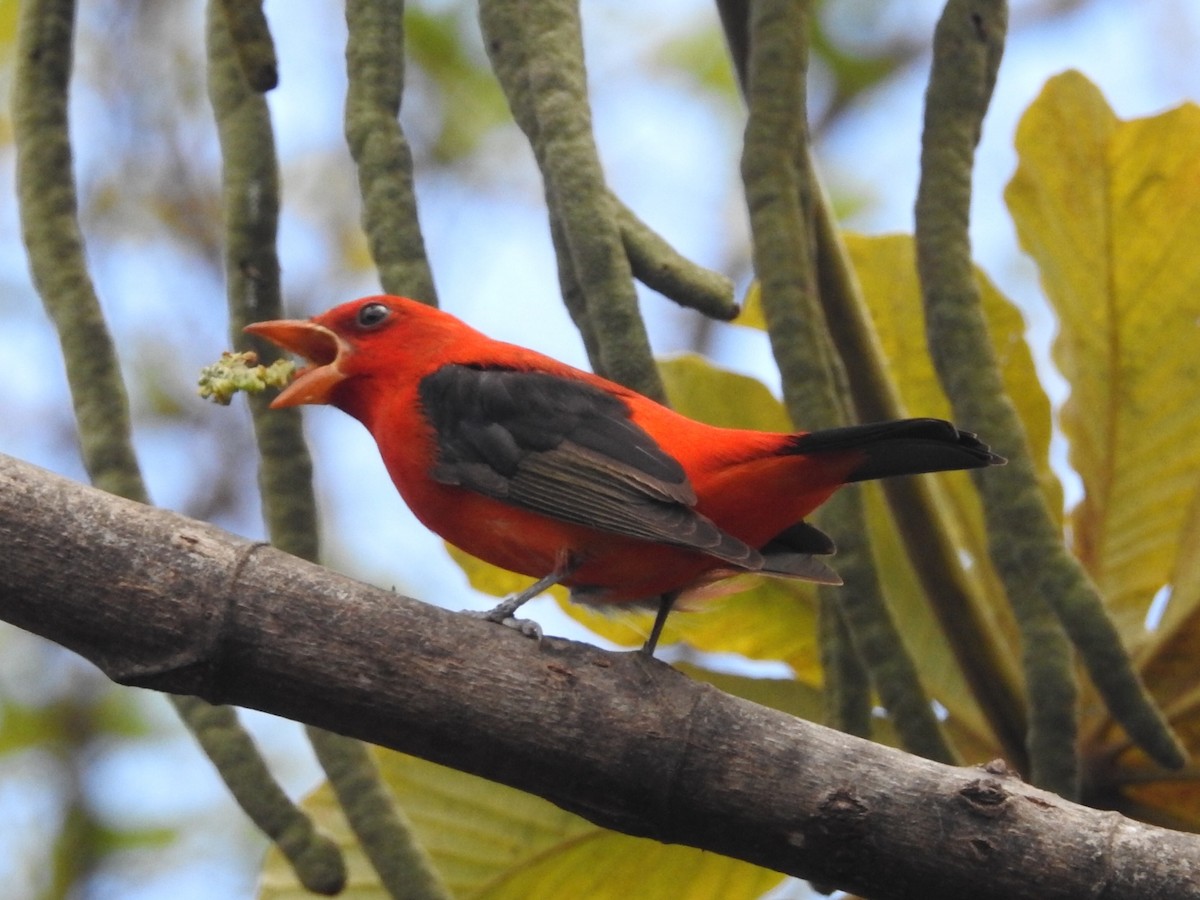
[527, 627]
[503, 615]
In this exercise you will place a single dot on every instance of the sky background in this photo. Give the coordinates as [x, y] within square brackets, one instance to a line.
[670, 148]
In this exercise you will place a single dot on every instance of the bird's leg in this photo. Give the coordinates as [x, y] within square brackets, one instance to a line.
[665, 602]
[504, 612]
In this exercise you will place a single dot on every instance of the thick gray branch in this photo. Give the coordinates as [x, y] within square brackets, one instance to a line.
[164, 602]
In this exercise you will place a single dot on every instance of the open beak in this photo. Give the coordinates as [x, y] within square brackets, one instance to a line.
[323, 350]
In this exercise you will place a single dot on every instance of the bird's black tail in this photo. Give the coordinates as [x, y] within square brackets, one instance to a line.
[904, 447]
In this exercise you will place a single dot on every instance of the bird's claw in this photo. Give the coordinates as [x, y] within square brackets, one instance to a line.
[502, 616]
[527, 627]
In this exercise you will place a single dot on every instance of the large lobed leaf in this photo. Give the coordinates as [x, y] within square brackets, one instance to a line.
[1107, 208]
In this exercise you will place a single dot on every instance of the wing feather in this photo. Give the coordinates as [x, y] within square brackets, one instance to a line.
[569, 450]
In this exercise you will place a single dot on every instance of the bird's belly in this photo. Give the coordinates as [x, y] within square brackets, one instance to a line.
[608, 568]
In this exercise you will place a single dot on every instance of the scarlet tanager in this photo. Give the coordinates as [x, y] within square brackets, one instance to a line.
[544, 469]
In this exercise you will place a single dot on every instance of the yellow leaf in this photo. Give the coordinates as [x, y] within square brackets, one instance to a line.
[752, 315]
[773, 620]
[1107, 208]
[887, 273]
[886, 270]
[1170, 658]
[770, 621]
[1169, 662]
[491, 842]
[700, 390]
[8, 26]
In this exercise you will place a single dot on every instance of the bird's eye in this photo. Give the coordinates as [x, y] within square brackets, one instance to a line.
[372, 315]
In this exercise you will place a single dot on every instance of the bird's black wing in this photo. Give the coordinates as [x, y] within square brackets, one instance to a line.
[565, 449]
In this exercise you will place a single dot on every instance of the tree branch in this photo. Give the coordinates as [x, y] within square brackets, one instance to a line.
[164, 602]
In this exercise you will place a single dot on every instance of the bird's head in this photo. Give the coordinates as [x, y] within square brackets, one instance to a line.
[358, 338]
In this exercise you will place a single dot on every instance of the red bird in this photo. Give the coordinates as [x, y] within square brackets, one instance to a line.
[544, 469]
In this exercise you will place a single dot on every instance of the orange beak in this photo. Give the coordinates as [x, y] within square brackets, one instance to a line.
[323, 350]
